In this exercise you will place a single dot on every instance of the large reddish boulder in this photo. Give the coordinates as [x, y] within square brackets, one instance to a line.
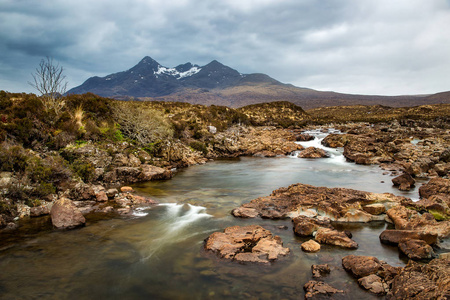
[65, 214]
[246, 244]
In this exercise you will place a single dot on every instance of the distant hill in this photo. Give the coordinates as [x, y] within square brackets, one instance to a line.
[217, 84]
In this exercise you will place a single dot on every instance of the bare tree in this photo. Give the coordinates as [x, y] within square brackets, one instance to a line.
[49, 80]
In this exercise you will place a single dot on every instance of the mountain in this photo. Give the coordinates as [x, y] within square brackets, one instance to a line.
[217, 84]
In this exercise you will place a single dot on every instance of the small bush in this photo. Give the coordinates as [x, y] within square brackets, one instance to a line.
[85, 170]
[199, 146]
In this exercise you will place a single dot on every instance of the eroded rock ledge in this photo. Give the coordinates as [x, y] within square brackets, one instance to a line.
[338, 204]
[246, 244]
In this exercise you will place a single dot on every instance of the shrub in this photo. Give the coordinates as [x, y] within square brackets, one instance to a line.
[141, 124]
[199, 146]
[84, 169]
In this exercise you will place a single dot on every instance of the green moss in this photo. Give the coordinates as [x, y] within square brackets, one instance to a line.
[439, 216]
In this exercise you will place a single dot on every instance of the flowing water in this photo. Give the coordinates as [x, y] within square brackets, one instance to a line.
[158, 254]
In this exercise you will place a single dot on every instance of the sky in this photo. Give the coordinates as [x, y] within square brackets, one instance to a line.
[381, 47]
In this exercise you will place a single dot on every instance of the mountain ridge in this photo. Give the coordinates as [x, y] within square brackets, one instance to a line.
[218, 84]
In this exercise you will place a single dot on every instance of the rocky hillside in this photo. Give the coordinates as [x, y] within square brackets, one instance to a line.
[217, 84]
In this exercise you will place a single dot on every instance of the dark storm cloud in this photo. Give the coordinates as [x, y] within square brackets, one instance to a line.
[359, 46]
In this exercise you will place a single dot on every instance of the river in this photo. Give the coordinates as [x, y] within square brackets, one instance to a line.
[158, 253]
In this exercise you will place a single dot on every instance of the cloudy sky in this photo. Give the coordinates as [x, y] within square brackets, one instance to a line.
[354, 46]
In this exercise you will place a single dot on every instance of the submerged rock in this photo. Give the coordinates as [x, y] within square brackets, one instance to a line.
[318, 271]
[319, 290]
[65, 214]
[246, 244]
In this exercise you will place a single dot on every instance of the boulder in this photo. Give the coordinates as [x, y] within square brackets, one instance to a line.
[65, 214]
[361, 266]
[334, 237]
[313, 152]
[422, 281]
[304, 137]
[374, 284]
[375, 209]
[242, 212]
[416, 249]
[310, 246]
[435, 186]
[304, 226]
[404, 182]
[319, 290]
[394, 237]
[246, 244]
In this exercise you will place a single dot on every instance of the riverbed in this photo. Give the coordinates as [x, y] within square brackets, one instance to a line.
[158, 252]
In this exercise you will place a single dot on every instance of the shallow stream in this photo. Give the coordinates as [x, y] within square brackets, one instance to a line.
[158, 254]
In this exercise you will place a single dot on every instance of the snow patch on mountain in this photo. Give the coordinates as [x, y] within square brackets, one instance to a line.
[173, 72]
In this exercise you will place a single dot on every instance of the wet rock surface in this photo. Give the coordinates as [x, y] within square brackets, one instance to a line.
[246, 244]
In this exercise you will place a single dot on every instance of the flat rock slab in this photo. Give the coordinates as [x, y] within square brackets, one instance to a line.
[394, 237]
[338, 204]
[246, 244]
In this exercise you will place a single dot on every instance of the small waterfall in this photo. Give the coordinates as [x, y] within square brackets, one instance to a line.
[174, 226]
[336, 154]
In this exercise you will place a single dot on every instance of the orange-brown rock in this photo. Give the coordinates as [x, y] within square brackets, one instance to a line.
[319, 290]
[338, 204]
[422, 281]
[361, 266]
[310, 246]
[313, 152]
[394, 237]
[409, 219]
[415, 249]
[334, 237]
[246, 244]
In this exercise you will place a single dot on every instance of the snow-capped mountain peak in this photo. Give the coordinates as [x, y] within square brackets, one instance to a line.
[175, 73]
